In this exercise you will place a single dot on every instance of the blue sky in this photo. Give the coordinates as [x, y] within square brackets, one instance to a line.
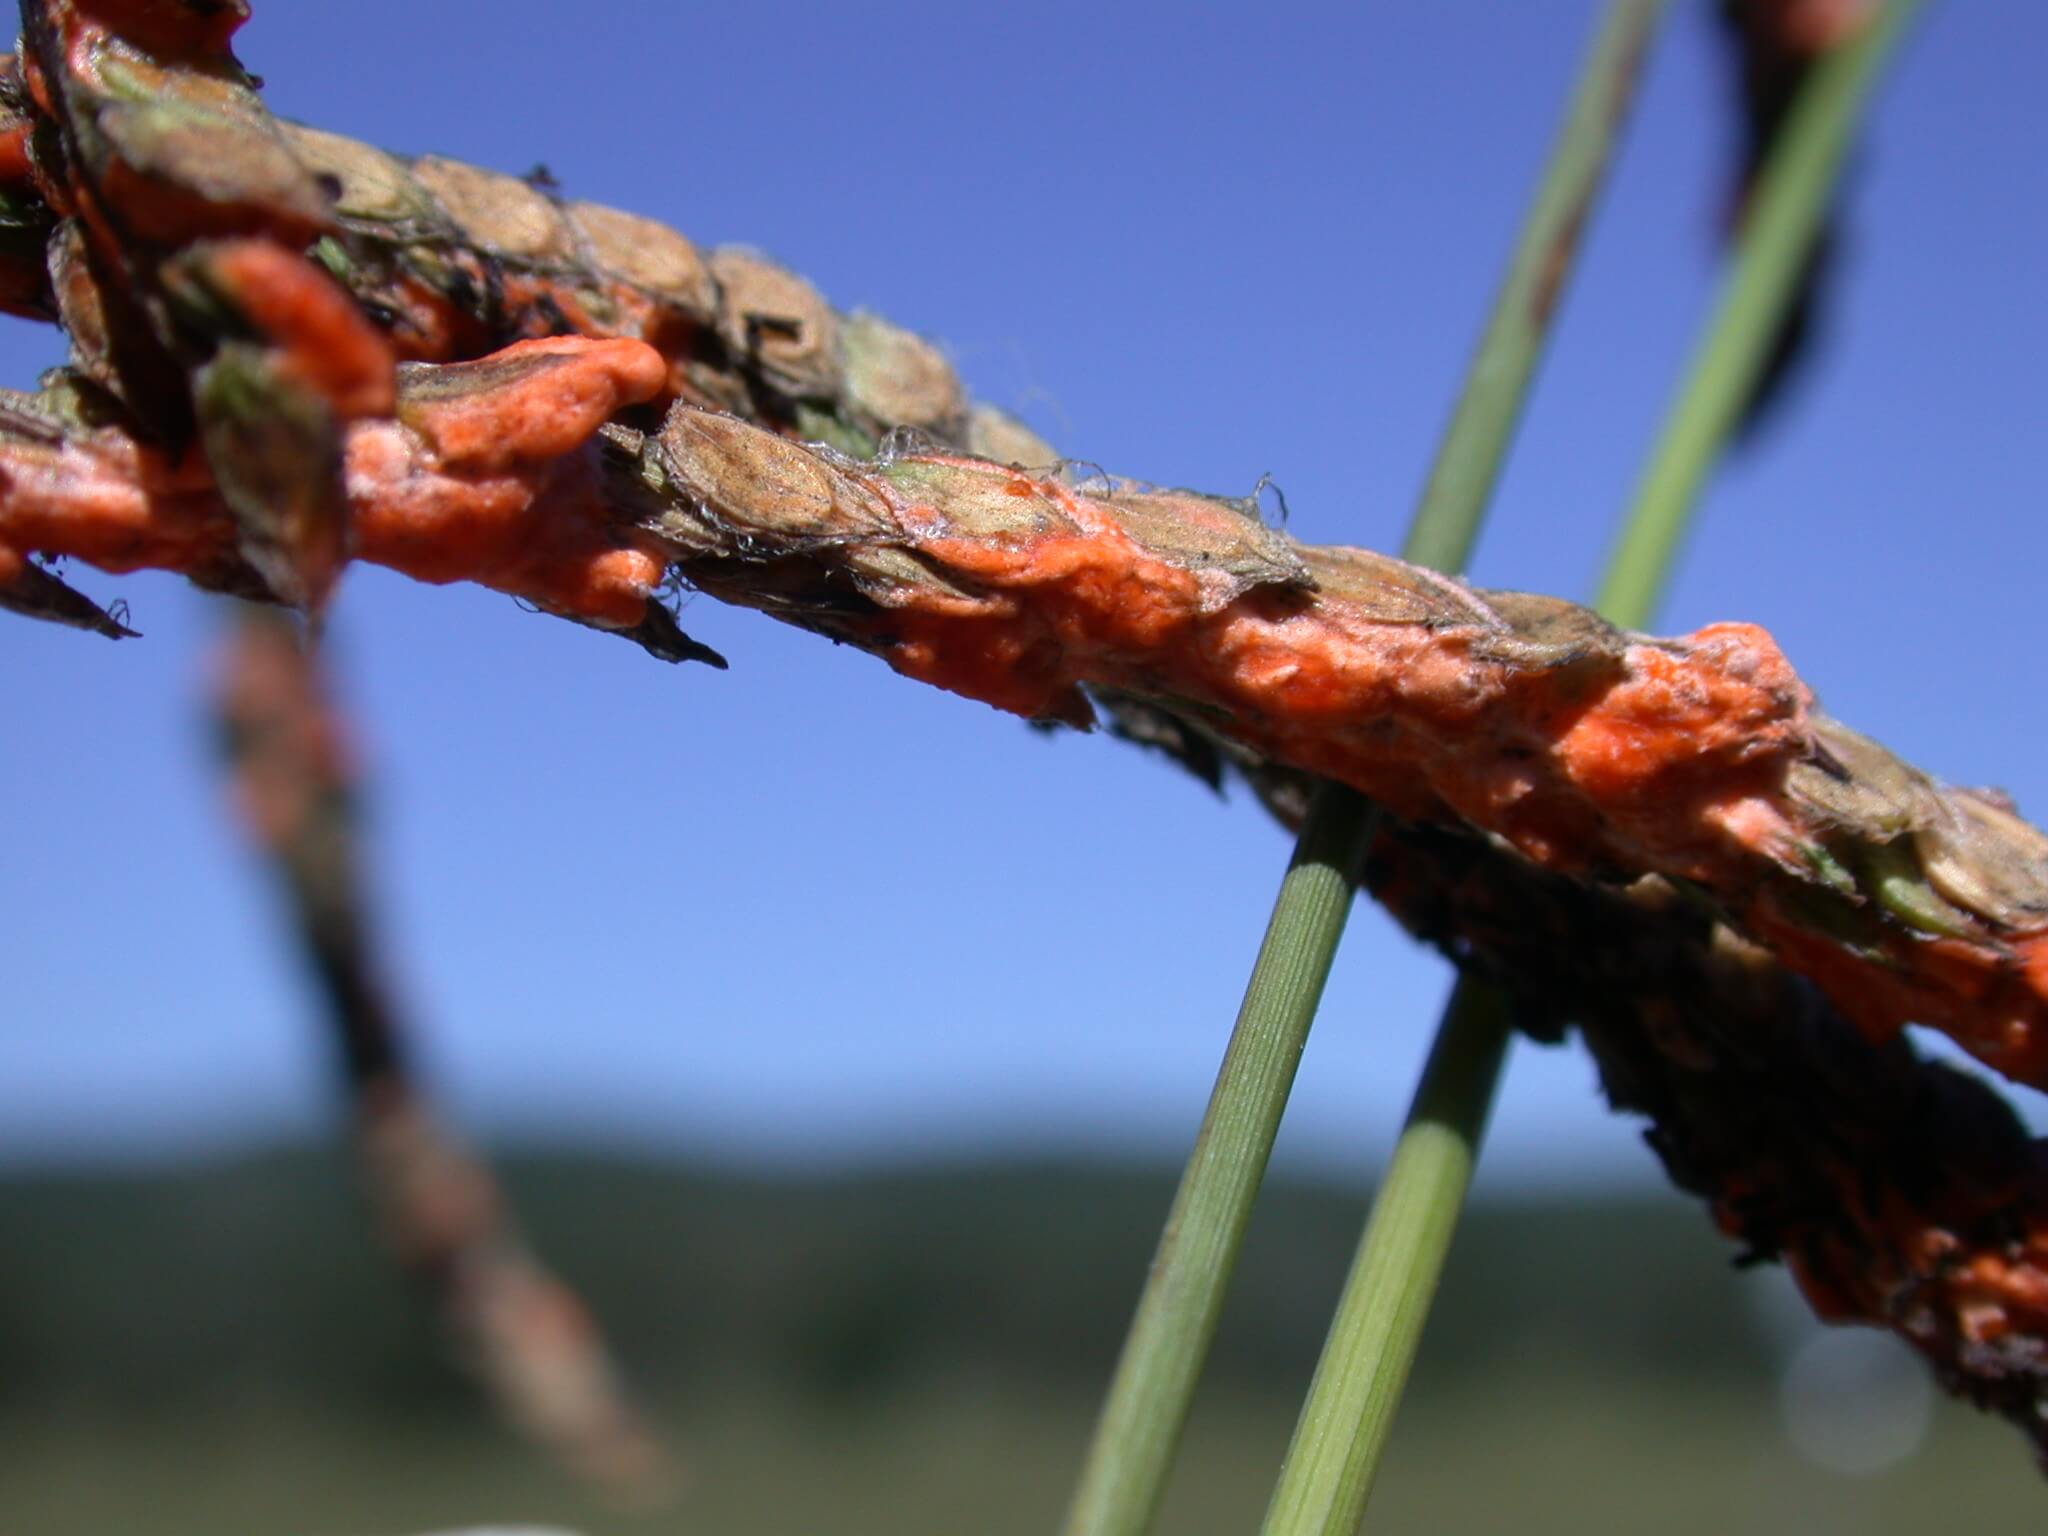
[804, 912]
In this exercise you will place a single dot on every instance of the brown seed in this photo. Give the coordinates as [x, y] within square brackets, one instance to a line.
[648, 255]
[501, 213]
[898, 378]
[1987, 860]
[373, 185]
[772, 490]
[774, 319]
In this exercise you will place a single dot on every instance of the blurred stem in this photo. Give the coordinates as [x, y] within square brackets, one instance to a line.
[1132, 1452]
[1785, 216]
[1342, 1432]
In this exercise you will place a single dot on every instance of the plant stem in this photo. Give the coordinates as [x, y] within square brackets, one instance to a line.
[1132, 1452]
[1328, 1474]
[1148, 1399]
[1343, 1427]
[1468, 458]
[1338, 1440]
[1785, 215]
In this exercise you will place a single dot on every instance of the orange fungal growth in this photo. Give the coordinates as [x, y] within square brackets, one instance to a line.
[1588, 751]
[479, 478]
[1428, 718]
[326, 343]
[458, 494]
[529, 403]
[104, 499]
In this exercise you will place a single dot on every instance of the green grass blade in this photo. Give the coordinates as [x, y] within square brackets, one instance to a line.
[1343, 1428]
[1468, 459]
[1147, 1406]
[1132, 1452]
[1785, 215]
[1329, 1467]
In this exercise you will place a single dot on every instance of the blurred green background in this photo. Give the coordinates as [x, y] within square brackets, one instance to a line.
[223, 1351]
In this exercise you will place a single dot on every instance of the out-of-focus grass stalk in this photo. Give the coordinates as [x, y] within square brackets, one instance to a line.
[1328, 1474]
[1147, 1405]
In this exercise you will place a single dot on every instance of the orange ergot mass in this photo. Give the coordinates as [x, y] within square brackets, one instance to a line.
[520, 515]
[478, 478]
[1418, 716]
[328, 346]
[107, 500]
[1586, 750]
[1700, 759]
